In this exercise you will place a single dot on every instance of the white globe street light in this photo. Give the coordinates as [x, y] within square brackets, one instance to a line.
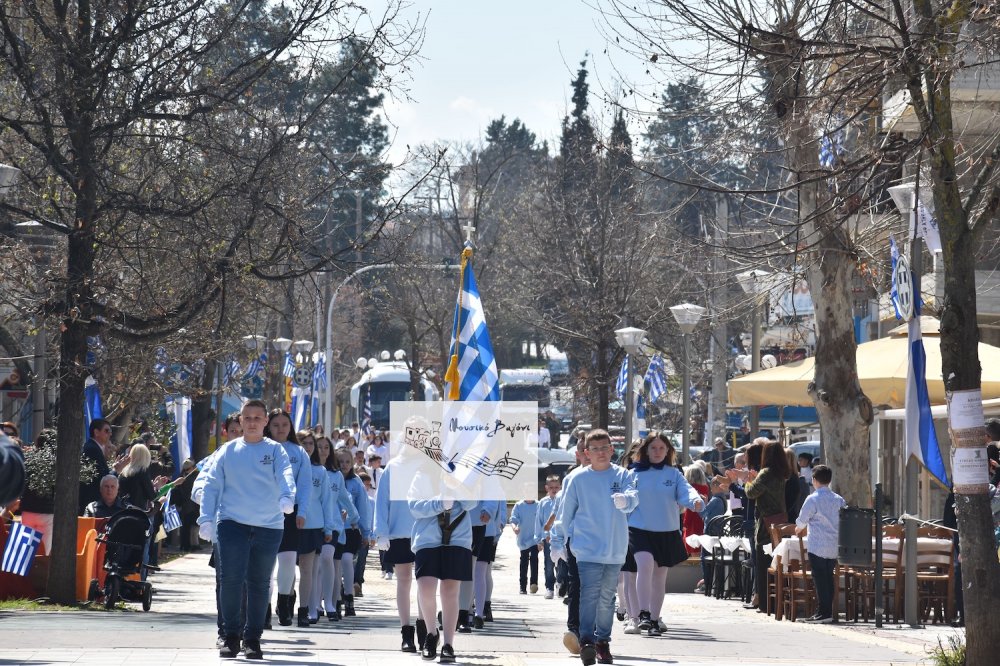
[687, 316]
[630, 339]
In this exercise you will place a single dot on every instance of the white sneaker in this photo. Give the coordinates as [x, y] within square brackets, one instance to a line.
[549, 594]
[388, 576]
[632, 626]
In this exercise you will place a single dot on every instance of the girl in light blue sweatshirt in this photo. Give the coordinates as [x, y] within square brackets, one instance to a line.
[355, 531]
[327, 567]
[654, 527]
[318, 528]
[523, 518]
[279, 428]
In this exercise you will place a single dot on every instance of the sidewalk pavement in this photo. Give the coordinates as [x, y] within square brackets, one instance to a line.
[180, 631]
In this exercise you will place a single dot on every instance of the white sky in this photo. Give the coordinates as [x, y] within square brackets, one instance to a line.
[485, 58]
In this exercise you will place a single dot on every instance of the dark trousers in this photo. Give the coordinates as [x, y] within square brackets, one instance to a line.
[761, 562]
[529, 556]
[822, 571]
[360, 560]
[549, 567]
[572, 593]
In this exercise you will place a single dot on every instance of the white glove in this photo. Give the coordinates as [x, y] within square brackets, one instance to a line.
[620, 500]
[206, 532]
[382, 543]
[699, 506]
[557, 554]
[286, 504]
[447, 504]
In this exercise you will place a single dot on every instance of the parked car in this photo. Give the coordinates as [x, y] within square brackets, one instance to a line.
[811, 446]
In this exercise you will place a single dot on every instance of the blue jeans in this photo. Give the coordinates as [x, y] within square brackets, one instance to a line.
[246, 556]
[549, 567]
[598, 583]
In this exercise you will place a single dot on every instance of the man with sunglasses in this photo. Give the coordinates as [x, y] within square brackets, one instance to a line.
[93, 450]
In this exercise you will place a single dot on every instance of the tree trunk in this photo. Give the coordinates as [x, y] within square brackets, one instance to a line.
[201, 413]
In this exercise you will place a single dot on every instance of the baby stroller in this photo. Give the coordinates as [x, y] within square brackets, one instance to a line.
[124, 537]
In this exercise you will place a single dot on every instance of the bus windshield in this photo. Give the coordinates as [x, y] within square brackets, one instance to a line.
[526, 393]
[383, 393]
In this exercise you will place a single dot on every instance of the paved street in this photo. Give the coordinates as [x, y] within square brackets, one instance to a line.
[180, 630]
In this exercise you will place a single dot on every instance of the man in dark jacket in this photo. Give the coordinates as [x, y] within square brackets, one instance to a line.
[93, 450]
[109, 503]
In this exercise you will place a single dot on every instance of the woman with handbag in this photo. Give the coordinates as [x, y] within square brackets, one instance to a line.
[767, 488]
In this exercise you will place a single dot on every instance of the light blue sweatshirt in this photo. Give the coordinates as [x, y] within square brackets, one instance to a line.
[343, 504]
[319, 512]
[660, 493]
[198, 487]
[426, 531]
[523, 516]
[246, 484]
[564, 532]
[546, 507]
[302, 470]
[498, 519]
[359, 498]
[393, 519]
[600, 530]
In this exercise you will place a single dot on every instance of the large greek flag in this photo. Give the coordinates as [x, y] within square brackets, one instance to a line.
[366, 418]
[921, 438]
[656, 375]
[22, 544]
[472, 371]
[622, 382]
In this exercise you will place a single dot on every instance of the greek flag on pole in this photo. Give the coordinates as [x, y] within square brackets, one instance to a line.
[92, 408]
[656, 375]
[255, 367]
[231, 372]
[171, 516]
[472, 370]
[180, 444]
[894, 292]
[289, 369]
[19, 554]
[639, 426]
[921, 439]
[622, 382]
[319, 373]
[301, 398]
[366, 418]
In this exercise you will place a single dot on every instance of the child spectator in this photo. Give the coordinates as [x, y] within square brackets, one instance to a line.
[524, 514]
[805, 468]
[821, 515]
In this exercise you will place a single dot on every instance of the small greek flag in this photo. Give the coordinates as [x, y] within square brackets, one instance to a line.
[319, 373]
[22, 544]
[255, 367]
[232, 371]
[160, 366]
[289, 369]
[366, 420]
[831, 146]
[656, 375]
[472, 368]
[171, 516]
[622, 382]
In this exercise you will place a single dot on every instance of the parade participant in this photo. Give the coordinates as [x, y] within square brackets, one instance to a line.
[545, 516]
[483, 571]
[479, 517]
[820, 516]
[563, 533]
[328, 564]
[442, 545]
[596, 503]
[354, 532]
[246, 491]
[317, 531]
[279, 429]
[393, 526]
[522, 519]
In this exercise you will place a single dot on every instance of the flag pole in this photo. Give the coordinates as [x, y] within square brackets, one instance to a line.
[451, 377]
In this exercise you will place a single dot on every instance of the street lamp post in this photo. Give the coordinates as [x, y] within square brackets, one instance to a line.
[630, 339]
[687, 316]
[752, 282]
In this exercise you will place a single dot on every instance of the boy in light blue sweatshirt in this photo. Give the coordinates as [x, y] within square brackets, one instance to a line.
[522, 518]
[543, 524]
[597, 502]
[246, 492]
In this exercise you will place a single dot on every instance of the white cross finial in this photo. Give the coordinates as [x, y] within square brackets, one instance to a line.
[469, 230]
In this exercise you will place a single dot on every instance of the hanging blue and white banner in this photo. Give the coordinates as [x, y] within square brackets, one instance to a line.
[179, 407]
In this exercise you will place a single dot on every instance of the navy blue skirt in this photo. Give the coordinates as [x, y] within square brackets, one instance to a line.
[488, 550]
[310, 540]
[444, 563]
[290, 536]
[667, 548]
[399, 552]
[352, 543]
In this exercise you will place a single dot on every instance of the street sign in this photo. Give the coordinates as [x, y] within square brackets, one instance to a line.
[904, 288]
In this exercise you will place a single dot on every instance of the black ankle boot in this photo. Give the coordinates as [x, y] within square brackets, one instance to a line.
[284, 610]
[421, 628]
[463, 622]
[408, 645]
[303, 617]
[488, 612]
[430, 647]
[349, 605]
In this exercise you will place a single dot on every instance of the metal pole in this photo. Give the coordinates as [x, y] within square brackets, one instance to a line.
[328, 408]
[755, 365]
[629, 401]
[686, 417]
[38, 384]
[879, 600]
[911, 610]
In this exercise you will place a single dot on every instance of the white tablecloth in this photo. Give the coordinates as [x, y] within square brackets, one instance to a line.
[728, 543]
[789, 549]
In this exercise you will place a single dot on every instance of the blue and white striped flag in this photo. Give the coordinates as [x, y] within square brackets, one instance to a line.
[831, 145]
[472, 370]
[231, 372]
[366, 418]
[289, 369]
[921, 438]
[622, 382]
[255, 367]
[300, 406]
[656, 375]
[319, 373]
[171, 516]
[19, 554]
[639, 426]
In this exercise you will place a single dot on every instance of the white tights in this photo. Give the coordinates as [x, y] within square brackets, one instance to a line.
[286, 571]
[347, 567]
[479, 582]
[404, 582]
[650, 583]
[306, 578]
[627, 590]
[426, 595]
[323, 579]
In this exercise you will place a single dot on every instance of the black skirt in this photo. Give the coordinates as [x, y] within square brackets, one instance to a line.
[310, 541]
[488, 550]
[290, 536]
[352, 543]
[399, 552]
[478, 536]
[444, 563]
[630, 566]
[667, 548]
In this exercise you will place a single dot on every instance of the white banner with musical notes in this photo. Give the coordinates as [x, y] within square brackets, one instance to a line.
[464, 450]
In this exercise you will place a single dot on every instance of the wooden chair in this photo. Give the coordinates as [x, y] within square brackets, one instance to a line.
[798, 588]
[777, 576]
[936, 575]
[860, 592]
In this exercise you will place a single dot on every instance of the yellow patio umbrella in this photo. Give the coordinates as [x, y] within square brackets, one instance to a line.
[882, 368]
